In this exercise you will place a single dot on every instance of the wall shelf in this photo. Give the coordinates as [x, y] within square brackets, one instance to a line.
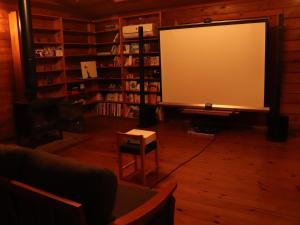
[51, 85]
[78, 32]
[111, 90]
[47, 43]
[107, 43]
[48, 57]
[80, 56]
[45, 30]
[80, 44]
[106, 31]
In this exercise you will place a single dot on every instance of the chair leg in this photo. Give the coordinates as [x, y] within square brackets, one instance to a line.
[156, 160]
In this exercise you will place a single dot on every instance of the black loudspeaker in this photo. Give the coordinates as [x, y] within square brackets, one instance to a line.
[278, 127]
[147, 116]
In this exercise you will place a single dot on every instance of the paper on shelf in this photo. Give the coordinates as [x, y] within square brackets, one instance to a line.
[149, 136]
[88, 69]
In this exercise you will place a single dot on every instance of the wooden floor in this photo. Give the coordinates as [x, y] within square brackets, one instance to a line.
[239, 179]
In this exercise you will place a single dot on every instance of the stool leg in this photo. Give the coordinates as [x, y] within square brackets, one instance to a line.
[135, 163]
[143, 162]
[156, 160]
[120, 162]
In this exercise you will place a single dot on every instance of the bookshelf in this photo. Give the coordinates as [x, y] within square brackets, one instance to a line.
[130, 66]
[48, 48]
[61, 44]
[109, 60]
[79, 46]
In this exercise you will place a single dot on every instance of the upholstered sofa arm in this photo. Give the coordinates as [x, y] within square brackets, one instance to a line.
[14, 193]
[95, 188]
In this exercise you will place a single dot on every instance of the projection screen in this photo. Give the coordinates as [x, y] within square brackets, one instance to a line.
[220, 65]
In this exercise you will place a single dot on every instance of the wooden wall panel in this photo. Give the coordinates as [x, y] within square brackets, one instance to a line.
[292, 34]
[291, 46]
[291, 56]
[290, 91]
[6, 87]
[291, 78]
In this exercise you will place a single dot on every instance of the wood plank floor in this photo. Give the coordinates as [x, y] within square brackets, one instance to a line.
[240, 178]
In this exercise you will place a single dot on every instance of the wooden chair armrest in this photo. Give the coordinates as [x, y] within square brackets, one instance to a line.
[42, 197]
[147, 208]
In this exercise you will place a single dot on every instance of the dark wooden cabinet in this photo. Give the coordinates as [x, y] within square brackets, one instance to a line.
[37, 122]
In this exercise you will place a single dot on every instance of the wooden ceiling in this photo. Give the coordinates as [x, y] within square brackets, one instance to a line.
[106, 8]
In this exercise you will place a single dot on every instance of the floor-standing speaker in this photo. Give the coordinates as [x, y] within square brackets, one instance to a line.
[147, 116]
[278, 127]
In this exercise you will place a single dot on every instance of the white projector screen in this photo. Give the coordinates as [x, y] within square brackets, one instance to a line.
[220, 64]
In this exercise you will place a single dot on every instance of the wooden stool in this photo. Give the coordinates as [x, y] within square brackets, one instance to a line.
[137, 143]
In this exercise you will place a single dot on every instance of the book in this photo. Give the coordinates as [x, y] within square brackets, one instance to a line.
[128, 61]
[131, 111]
[116, 38]
[134, 48]
[126, 49]
[149, 136]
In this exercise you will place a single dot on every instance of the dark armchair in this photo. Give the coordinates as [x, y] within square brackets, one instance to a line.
[38, 188]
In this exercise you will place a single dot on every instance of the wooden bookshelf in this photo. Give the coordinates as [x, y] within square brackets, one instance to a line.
[59, 75]
[130, 66]
[79, 45]
[48, 44]
[107, 37]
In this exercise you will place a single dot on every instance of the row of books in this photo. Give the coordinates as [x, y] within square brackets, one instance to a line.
[132, 75]
[109, 109]
[115, 50]
[152, 86]
[133, 48]
[44, 67]
[131, 61]
[148, 61]
[116, 38]
[108, 27]
[131, 111]
[48, 52]
[110, 86]
[116, 62]
[148, 86]
[48, 80]
[151, 99]
[151, 60]
[155, 73]
[113, 97]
